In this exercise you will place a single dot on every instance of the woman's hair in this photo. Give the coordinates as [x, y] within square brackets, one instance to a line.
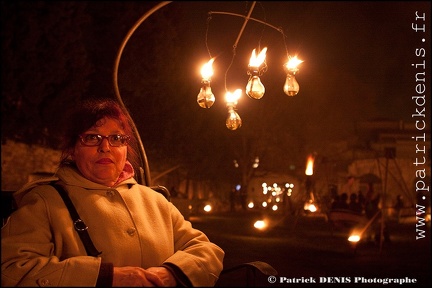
[85, 115]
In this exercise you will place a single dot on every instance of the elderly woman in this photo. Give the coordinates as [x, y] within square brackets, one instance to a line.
[142, 238]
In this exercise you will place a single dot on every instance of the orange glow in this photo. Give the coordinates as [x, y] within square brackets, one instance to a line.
[232, 98]
[355, 236]
[310, 206]
[293, 63]
[309, 165]
[260, 224]
[256, 61]
[207, 70]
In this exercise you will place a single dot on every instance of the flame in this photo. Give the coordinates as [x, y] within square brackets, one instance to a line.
[355, 236]
[309, 165]
[207, 70]
[256, 61]
[232, 98]
[261, 224]
[312, 207]
[292, 63]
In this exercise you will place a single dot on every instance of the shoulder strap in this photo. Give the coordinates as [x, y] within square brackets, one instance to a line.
[79, 224]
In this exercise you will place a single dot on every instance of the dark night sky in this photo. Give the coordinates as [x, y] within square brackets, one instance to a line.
[357, 58]
[357, 54]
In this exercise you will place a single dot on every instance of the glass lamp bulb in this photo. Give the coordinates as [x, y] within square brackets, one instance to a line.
[291, 87]
[205, 98]
[254, 88]
[233, 121]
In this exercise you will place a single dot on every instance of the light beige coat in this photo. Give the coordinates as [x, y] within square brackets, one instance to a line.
[131, 224]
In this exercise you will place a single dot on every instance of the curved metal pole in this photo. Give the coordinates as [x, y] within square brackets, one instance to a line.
[144, 177]
[256, 20]
[246, 19]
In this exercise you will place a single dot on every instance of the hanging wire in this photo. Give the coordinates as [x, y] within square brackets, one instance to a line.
[244, 24]
[279, 29]
[209, 18]
[284, 40]
[246, 19]
[229, 67]
[263, 68]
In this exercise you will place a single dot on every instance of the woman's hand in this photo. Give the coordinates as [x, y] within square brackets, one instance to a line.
[139, 277]
[164, 275]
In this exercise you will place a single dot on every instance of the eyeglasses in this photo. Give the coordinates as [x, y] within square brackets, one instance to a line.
[114, 140]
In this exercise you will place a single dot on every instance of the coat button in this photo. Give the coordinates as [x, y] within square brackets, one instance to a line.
[131, 231]
[44, 282]
[110, 193]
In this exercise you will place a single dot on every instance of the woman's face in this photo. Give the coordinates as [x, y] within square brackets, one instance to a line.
[102, 163]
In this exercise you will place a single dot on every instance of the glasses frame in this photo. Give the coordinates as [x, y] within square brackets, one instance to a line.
[125, 139]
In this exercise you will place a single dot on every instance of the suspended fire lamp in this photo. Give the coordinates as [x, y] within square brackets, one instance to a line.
[256, 68]
[206, 98]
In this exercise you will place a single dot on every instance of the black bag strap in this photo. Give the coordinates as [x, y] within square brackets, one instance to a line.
[79, 224]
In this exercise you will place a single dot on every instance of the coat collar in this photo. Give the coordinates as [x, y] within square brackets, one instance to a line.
[69, 175]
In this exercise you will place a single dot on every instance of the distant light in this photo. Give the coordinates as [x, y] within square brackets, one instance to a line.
[207, 208]
[260, 224]
[309, 165]
[236, 165]
[256, 163]
[312, 208]
[354, 238]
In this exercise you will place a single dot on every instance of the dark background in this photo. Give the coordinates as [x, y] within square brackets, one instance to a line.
[357, 66]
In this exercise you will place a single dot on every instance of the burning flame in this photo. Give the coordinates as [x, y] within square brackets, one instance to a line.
[256, 61]
[293, 63]
[309, 165]
[355, 237]
[207, 70]
[232, 98]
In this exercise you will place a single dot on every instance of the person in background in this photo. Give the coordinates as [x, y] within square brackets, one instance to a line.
[372, 209]
[361, 199]
[354, 205]
[143, 238]
[344, 201]
[335, 202]
[399, 206]
[340, 201]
